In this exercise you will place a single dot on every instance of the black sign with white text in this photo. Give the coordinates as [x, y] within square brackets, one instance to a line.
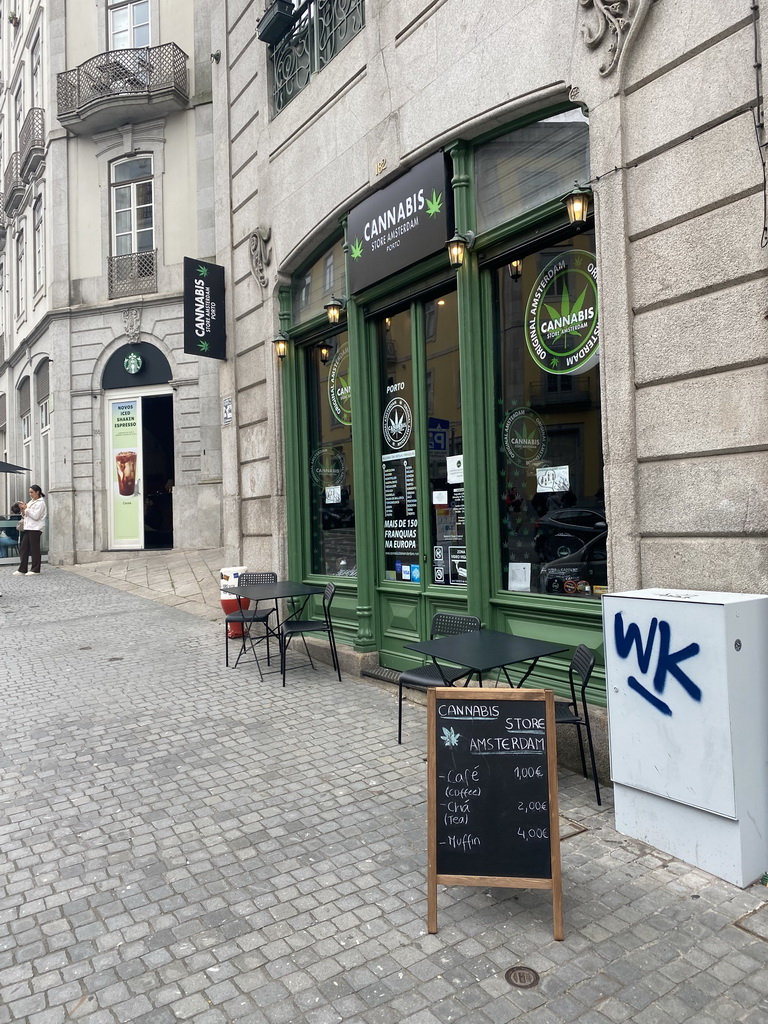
[399, 225]
[204, 322]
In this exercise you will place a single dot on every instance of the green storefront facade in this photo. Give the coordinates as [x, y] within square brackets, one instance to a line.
[443, 439]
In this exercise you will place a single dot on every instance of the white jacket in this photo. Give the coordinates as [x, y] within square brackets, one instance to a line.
[34, 516]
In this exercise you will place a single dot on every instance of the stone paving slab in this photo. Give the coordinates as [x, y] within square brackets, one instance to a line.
[182, 842]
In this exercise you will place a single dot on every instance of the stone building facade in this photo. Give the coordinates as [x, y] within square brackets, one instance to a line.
[108, 184]
[336, 104]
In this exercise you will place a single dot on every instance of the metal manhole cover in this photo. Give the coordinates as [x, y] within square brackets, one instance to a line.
[522, 977]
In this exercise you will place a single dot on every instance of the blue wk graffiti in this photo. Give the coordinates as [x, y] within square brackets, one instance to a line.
[667, 663]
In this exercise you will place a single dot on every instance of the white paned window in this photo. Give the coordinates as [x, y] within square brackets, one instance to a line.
[132, 206]
[21, 284]
[129, 25]
[36, 98]
[38, 245]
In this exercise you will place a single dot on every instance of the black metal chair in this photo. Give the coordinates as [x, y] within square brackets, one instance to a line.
[567, 713]
[289, 628]
[250, 617]
[426, 676]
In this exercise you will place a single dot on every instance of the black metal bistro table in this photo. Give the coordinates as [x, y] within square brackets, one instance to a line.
[483, 650]
[283, 590]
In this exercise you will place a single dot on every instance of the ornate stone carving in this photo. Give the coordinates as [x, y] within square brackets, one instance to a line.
[261, 254]
[617, 20]
[132, 323]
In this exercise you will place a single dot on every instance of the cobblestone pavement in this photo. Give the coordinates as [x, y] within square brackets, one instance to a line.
[182, 842]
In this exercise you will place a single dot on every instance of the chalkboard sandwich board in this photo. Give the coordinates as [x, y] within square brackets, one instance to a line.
[492, 793]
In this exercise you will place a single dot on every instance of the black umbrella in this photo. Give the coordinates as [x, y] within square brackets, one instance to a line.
[7, 467]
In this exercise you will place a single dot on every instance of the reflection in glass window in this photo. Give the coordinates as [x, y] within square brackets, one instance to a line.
[331, 484]
[530, 166]
[444, 442]
[551, 501]
[313, 285]
[398, 454]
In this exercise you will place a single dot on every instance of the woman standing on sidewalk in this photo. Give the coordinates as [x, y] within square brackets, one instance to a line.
[34, 513]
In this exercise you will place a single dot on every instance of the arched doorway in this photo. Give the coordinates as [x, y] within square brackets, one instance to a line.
[139, 453]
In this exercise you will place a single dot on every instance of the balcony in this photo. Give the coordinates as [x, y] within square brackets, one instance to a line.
[3, 232]
[123, 86]
[133, 274]
[13, 186]
[32, 143]
[321, 29]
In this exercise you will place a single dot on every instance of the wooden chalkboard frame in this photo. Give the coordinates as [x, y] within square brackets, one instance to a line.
[554, 881]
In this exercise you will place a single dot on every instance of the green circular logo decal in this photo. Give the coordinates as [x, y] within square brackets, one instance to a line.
[339, 391]
[326, 466]
[561, 314]
[524, 437]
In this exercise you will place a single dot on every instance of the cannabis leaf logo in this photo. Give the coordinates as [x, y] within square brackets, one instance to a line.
[450, 738]
[357, 249]
[397, 425]
[434, 205]
[202, 271]
[566, 309]
[203, 346]
[554, 362]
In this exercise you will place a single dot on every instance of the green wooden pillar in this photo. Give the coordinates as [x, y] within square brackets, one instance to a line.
[473, 389]
[364, 373]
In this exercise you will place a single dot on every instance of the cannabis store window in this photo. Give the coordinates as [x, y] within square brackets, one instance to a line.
[551, 502]
[331, 483]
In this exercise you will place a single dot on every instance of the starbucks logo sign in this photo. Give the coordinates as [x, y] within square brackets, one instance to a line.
[339, 391]
[524, 437]
[561, 326]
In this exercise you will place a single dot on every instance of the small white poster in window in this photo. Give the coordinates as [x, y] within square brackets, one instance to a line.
[333, 495]
[455, 469]
[552, 478]
[519, 576]
[439, 497]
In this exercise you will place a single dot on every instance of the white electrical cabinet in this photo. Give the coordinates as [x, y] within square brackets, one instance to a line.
[687, 682]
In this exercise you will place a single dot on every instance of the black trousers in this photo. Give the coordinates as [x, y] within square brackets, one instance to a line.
[29, 550]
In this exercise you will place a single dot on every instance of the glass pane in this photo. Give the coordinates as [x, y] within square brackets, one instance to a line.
[123, 222]
[120, 19]
[398, 455]
[132, 170]
[122, 198]
[331, 484]
[144, 241]
[530, 166]
[141, 36]
[144, 193]
[551, 502]
[446, 463]
[123, 245]
[311, 289]
[144, 218]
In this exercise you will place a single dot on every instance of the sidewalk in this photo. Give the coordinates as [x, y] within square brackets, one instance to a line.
[183, 842]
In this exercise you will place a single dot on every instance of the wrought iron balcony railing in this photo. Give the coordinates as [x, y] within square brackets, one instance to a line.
[3, 230]
[32, 142]
[321, 29]
[145, 80]
[132, 274]
[13, 186]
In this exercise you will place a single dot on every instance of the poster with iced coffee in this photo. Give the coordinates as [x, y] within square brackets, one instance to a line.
[125, 473]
